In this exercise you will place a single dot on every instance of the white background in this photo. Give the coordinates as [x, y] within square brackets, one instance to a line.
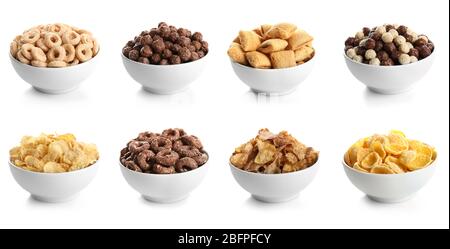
[329, 111]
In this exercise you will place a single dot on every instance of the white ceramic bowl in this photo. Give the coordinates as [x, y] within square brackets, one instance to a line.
[274, 188]
[165, 79]
[273, 81]
[390, 79]
[54, 187]
[54, 80]
[391, 188]
[164, 188]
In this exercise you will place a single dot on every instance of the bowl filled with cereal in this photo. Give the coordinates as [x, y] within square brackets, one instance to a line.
[54, 58]
[389, 168]
[166, 59]
[274, 167]
[53, 168]
[389, 59]
[164, 167]
[272, 59]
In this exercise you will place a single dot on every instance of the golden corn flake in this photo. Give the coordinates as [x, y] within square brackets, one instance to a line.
[389, 154]
[271, 153]
[53, 154]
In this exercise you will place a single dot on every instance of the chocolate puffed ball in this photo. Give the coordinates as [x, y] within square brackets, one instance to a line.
[155, 59]
[164, 62]
[402, 30]
[146, 51]
[147, 40]
[349, 42]
[414, 52]
[197, 36]
[375, 35]
[167, 53]
[382, 55]
[388, 62]
[370, 43]
[389, 48]
[197, 45]
[126, 51]
[184, 41]
[378, 46]
[424, 51]
[158, 46]
[175, 59]
[144, 60]
[133, 55]
[420, 42]
[194, 56]
[185, 54]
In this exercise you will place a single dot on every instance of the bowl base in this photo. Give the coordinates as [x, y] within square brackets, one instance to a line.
[274, 199]
[273, 93]
[389, 91]
[163, 92]
[389, 200]
[49, 91]
[164, 200]
[52, 199]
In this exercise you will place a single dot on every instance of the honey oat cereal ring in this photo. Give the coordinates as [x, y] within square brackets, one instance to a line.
[283, 59]
[71, 37]
[52, 40]
[167, 157]
[40, 44]
[57, 64]
[159, 169]
[14, 48]
[26, 51]
[83, 52]
[22, 58]
[87, 39]
[38, 54]
[30, 36]
[39, 63]
[96, 47]
[186, 164]
[70, 52]
[58, 28]
[74, 62]
[56, 54]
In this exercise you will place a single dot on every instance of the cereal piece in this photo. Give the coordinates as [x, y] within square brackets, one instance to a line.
[305, 53]
[265, 28]
[70, 52]
[22, 58]
[74, 62]
[404, 59]
[71, 37]
[87, 40]
[40, 44]
[249, 40]
[370, 54]
[14, 48]
[351, 53]
[399, 40]
[375, 61]
[38, 55]
[57, 64]
[38, 64]
[298, 39]
[56, 54]
[96, 47]
[283, 59]
[26, 51]
[387, 37]
[281, 31]
[30, 37]
[272, 45]
[52, 40]
[237, 54]
[258, 60]
[83, 52]
[358, 58]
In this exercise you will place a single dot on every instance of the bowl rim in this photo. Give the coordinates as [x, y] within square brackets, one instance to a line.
[54, 174]
[415, 172]
[167, 175]
[166, 66]
[273, 69]
[315, 165]
[394, 66]
[53, 68]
